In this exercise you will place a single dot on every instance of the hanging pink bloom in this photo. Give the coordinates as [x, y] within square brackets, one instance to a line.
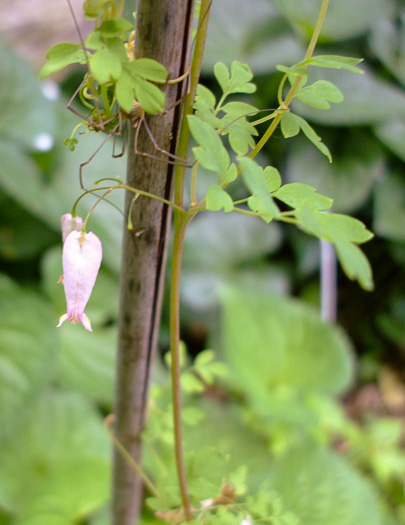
[70, 224]
[82, 254]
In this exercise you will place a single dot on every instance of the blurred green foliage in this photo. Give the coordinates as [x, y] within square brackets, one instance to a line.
[277, 409]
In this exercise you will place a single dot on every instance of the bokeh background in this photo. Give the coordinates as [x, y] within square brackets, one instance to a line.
[300, 397]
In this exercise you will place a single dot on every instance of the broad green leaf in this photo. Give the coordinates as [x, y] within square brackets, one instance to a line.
[115, 27]
[298, 194]
[321, 488]
[235, 81]
[277, 346]
[148, 69]
[392, 134]
[261, 200]
[217, 198]
[87, 364]
[28, 340]
[387, 40]
[389, 208]
[26, 113]
[273, 178]
[105, 66]
[334, 62]
[58, 458]
[210, 153]
[62, 55]
[346, 19]
[150, 97]
[22, 235]
[319, 94]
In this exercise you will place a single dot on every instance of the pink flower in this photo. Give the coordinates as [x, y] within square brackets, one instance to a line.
[70, 224]
[82, 254]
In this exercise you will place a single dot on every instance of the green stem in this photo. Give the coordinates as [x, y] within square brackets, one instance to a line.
[270, 130]
[178, 243]
[193, 184]
[180, 225]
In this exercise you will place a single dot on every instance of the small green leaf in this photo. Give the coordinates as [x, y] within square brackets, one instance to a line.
[105, 66]
[124, 91]
[94, 41]
[237, 81]
[289, 125]
[217, 198]
[240, 131]
[355, 264]
[260, 201]
[150, 97]
[319, 94]
[205, 99]
[148, 69]
[229, 176]
[293, 70]
[62, 55]
[203, 358]
[298, 194]
[291, 122]
[345, 233]
[211, 153]
[334, 62]
[273, 178]
[115, 27]
[190, 383]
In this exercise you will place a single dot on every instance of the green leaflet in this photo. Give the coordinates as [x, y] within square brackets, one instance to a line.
[217, 198]
[334, 62]
[105, 66]
[345, 233]
[298, 194]
[290, 126]
[260, 201]
[319, 94]
[210, 153]
[62, 55]
[235, 81]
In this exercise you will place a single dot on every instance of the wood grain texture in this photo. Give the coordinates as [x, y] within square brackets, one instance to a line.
[163, 32]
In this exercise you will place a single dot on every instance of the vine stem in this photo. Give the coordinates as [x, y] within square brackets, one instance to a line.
[178, 243]
[311, 46]
[180, 222]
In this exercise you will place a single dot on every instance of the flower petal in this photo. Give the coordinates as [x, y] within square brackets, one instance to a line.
[70, 224]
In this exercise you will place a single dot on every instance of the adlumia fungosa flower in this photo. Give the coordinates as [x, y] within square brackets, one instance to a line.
[82, 254]
[70, 224]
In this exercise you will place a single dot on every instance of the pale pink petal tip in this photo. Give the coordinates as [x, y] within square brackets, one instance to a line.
[70, 224]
